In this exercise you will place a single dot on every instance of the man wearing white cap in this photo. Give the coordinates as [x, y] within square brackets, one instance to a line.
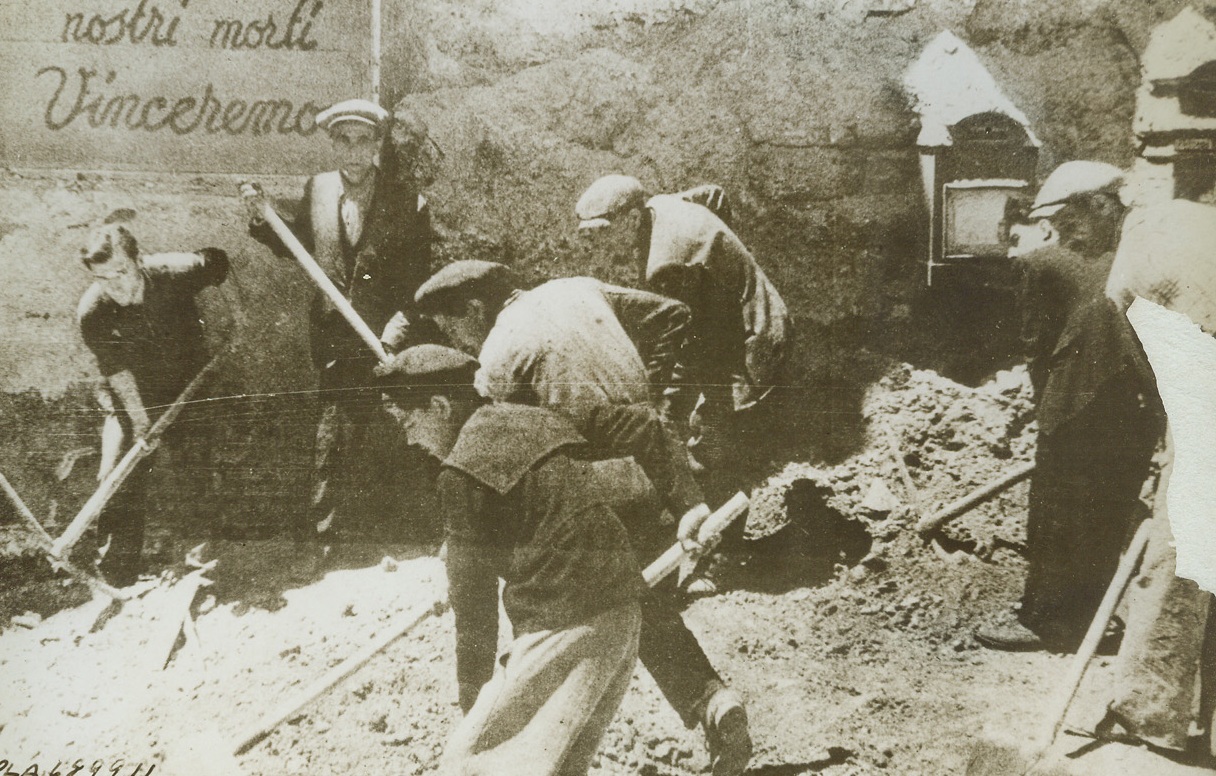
[1096, 405]
[368, 227]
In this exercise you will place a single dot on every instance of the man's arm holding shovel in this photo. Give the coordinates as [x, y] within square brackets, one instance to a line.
[142, 446]
[257, 201]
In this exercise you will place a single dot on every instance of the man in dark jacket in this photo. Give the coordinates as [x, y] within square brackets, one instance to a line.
[368, 228]
[1097, 410]
[518, 505]
[681, 247]
[579, 346]
[140, 320]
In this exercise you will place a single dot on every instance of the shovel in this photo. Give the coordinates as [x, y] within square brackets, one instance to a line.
[323, 282]
[1018, 758]
[139, 450]
[216, 756]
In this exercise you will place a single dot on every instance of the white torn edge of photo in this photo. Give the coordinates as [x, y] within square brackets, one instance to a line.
[1183, 358]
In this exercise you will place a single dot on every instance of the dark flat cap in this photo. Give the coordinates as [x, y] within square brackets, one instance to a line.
[466, 279]
[426, 366]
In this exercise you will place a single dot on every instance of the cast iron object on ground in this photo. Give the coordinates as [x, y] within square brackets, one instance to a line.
[1022, 757]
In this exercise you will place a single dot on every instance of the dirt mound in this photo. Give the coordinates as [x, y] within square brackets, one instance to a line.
[849, 636]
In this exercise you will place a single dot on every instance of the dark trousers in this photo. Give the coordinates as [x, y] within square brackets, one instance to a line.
[673, 656]
[121, 524]
[365, 479]
[667, 648]
[1084, 501]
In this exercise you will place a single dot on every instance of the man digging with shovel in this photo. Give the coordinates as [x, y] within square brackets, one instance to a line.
[368, 229]
[518, 496]
[141, 321]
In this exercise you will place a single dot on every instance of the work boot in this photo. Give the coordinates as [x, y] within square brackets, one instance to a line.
[1010, 637]
[725, 726]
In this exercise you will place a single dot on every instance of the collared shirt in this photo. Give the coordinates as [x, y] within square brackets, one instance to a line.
[354, 204]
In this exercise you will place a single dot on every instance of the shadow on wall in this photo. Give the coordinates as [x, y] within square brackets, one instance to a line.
[963, 328]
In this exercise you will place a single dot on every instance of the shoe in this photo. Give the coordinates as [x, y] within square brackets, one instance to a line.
[726, 733]
[1010, 637]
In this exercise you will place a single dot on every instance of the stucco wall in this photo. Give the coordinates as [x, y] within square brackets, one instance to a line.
[795, 107]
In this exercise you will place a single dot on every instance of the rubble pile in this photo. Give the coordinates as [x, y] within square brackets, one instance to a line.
[930, 441]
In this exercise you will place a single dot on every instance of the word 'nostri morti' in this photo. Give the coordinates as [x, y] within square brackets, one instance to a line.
[76, 97]
[143, 24]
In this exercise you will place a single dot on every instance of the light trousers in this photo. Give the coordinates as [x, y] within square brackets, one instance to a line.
[549, 702]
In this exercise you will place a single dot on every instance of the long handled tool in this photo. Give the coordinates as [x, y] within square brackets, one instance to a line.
[931, 523]
[668, 562]
[336, 675]
[140, 449]
[1013, 759]
[322, 280]
[707, 536]
[45, 543]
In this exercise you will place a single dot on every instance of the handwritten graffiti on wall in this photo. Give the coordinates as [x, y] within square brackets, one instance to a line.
[101, 70]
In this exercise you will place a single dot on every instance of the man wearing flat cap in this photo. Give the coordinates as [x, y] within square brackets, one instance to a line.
[518, 505]
[368, 228]
[680, 247]
[1096, 405]
[586, 348]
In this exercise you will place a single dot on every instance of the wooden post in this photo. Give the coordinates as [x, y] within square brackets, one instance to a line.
[376, 33]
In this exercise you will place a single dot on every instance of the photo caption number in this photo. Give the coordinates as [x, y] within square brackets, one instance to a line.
[119, 767]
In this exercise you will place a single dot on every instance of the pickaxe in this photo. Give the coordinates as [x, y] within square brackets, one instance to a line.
[45, 543]
[140, 449]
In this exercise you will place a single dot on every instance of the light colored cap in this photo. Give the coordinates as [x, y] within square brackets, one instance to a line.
[606, 197]
[1072, 179]
[361, 111]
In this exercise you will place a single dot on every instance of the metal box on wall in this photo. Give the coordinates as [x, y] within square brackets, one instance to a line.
[976, 154]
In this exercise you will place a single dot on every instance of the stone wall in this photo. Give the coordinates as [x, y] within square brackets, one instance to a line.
[795, 106]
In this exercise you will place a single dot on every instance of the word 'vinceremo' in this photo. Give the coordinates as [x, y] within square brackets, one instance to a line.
[78, 99]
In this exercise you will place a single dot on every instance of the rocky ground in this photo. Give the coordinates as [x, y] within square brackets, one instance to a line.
[849, 636]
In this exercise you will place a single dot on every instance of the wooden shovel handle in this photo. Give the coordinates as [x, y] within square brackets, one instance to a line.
[669, 561]
[139, 450]
[1097, 628]
[981, 494]
[323, 281]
